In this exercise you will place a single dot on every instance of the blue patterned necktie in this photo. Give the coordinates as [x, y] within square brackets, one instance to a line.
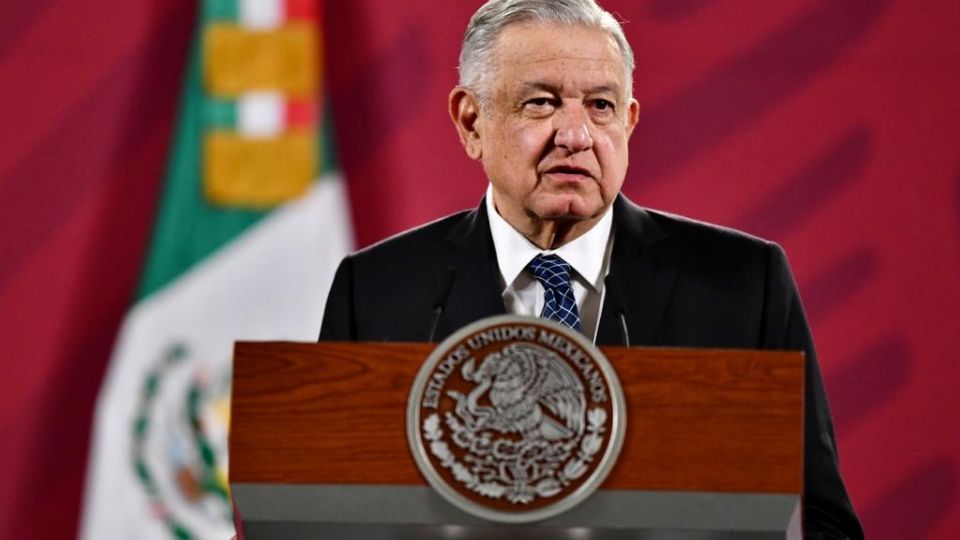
[559, 304]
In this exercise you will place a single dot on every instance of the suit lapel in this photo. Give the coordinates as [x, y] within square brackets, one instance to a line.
[476, 289]
[641, 264]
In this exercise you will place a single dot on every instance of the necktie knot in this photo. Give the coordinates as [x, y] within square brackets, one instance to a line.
[550, 270]
[559, 305]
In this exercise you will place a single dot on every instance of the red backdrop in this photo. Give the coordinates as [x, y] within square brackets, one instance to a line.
[829, 126]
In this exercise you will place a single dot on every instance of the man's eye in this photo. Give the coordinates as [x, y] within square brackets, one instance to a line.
[603, 105]
[539, 102]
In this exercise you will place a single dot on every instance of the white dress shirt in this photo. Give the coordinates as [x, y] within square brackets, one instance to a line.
[588, 257]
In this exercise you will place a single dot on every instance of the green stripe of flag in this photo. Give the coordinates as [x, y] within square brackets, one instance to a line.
[188, 228]
[220, 114]
[220, 10]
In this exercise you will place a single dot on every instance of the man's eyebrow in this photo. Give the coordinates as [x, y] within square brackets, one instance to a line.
[605, 89]
[540, 85]
[556, 89]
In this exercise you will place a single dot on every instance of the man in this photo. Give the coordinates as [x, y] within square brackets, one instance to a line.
[545, 105]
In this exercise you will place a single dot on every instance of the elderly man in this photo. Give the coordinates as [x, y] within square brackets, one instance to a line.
[545, 105]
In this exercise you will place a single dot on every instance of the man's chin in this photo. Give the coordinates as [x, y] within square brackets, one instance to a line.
[568, 209]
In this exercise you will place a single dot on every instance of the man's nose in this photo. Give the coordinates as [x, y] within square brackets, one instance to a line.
[573, 130]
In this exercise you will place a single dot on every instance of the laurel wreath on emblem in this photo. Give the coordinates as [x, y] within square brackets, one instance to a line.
[519, 471]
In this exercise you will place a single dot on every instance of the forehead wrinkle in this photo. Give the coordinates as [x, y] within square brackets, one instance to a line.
[506, 64]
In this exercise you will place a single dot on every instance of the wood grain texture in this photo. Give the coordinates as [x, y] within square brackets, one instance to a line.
[698, 420]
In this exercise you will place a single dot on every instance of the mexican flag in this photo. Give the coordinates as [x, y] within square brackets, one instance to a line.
[251, 224]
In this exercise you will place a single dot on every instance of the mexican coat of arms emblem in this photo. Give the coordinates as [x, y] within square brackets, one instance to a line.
[515, 419]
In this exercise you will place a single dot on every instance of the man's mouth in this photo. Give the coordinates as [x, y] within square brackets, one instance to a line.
[569, 173]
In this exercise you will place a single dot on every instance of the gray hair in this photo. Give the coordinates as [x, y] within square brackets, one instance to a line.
[476, 62]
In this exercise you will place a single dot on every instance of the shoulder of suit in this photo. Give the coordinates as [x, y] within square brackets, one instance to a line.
[696, 233]
[424, 239]
[707, 245]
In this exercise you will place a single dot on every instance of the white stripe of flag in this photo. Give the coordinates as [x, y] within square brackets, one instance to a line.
[261, 14]
[261, 114]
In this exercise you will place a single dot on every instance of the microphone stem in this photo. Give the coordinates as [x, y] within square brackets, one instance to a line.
[437, 311]
[446, 285]
[623, 329]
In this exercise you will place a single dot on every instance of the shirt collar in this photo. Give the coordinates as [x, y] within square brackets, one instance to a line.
[585, 254]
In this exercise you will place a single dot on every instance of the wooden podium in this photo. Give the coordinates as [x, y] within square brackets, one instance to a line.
[318, 448]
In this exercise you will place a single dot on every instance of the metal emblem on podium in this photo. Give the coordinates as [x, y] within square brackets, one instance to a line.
[515, 419]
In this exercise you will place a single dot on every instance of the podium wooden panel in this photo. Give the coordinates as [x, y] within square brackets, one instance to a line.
[717, 434]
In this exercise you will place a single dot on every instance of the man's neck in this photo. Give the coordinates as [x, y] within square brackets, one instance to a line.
[550, 234]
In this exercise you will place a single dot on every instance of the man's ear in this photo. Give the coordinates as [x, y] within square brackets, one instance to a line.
[633, 115]
[465, 113]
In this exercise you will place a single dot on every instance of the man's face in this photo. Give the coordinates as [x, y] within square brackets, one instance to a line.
[553, 135]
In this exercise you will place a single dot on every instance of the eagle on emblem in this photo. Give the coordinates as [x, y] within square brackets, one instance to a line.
[524, 389]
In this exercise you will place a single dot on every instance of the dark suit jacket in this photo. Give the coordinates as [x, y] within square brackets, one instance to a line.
[684, 283]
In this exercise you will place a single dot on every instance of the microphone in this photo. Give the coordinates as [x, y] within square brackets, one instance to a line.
[615, 296]
[440, 302]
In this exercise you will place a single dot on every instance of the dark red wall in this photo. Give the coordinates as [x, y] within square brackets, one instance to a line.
[830, 126]
[88, 92]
